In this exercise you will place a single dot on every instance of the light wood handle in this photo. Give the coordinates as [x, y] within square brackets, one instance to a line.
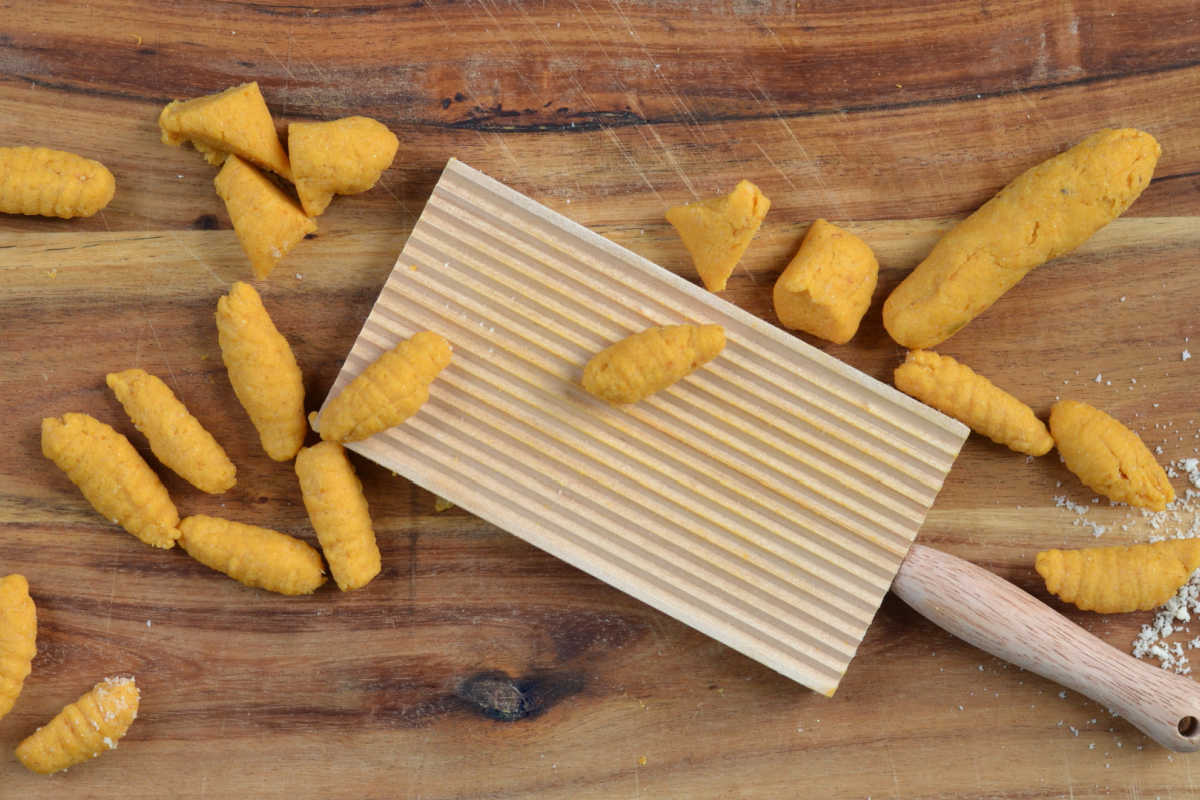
[996, 616]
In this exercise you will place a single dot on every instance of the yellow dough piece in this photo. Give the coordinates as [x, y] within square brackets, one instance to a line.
[235, 121]
[262, 370]
[827, 287]
[84, 729]
[718, 230]
[254, 556]
[389, 391]
[268, 224]
[1046, 212]
[646, 362]
[1114, 580]
[1108, 457]
[112, 476]
[337, 508]
[343, 156]
[18, 638]
[51, 183]
[972, 399]
[177, 438]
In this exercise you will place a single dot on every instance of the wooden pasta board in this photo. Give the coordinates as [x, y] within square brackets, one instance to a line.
[767, 500]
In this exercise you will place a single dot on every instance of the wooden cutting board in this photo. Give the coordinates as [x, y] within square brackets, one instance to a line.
[608, 112]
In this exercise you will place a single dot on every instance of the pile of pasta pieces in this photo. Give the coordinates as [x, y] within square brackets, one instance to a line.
[825, 290]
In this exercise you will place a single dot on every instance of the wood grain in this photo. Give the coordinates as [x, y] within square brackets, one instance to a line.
[862, 115]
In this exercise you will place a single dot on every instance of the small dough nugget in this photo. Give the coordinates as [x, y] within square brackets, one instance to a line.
[234, 121]
[827, 287]
[254, 556]
[1114, 580]
[113, 477]
[18, 638]
[646, 362]
[177, 438]
[718, 230]
[84, 729]
[337, 508]
[390, 390]
[1108, 457]
[268, 224]
[1046, 212]
[972, 399]
[51, 183]
[344, 156]
[262, 370]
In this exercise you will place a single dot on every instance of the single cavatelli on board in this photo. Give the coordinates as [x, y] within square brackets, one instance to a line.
[18, 638]
[1114, 580]
[651, 360]
[262, 370]
[176, 438]
[113, 477]
[957, 390]
[390, 390]
[336, 506]
[51, 183]
[257, 557]
[1108, 457]
[84, 729]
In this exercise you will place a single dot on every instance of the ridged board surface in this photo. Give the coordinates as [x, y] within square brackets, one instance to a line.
[766, 500]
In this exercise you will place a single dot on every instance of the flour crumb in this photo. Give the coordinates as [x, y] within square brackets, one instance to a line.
[1186, 355]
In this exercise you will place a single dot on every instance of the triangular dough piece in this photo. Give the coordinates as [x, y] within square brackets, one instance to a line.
[343, 156]
[717, 231]
[267, 222]
[233, 121]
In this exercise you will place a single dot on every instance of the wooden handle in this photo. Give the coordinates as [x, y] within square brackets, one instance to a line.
[994, 615]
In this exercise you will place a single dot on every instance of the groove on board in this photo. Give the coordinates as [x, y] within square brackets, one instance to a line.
[766, 500]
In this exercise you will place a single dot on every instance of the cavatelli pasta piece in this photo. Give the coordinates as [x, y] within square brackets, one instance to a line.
[964, 394]
[390, 390]
[18, 638]
[233, 121]
[177, 438]
[717, 231]
[644, 363]
[51, 183]
[113, 477]
[338, 510]
[1108, 457]
[342, 156]
[258, 557]
[1047, 211]
[84, 729]
[1114, 580]
[267, 223]
[262, 370]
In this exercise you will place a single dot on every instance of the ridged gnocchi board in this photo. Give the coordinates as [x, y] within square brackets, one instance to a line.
[766, 500]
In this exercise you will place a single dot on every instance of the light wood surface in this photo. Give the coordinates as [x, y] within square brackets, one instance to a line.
[477, 665]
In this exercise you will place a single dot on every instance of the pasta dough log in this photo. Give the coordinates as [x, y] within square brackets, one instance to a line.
[112, 476]
[647, 362]
[827, 287]
[972, 399]
[51, 183]
[234, 121]
[177, 438]
[343, 156]
[1108, 457]
[84, 729]
[18, 638]
[390, 390]
[717, 231]
[267, 223]
[1114, 580]
[338, 510]
[262, 370]
[257, 557]
[1047, 211]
